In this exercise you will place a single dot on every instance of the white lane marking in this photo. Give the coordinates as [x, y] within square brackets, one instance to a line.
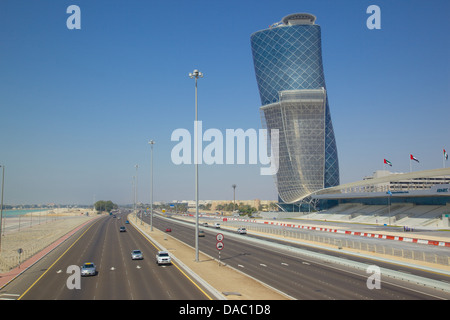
[9, 295]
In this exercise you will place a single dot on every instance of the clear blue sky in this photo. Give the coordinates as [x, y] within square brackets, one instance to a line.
[77, 107]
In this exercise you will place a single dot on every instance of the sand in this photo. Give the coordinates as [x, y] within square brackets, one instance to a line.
[34, 231]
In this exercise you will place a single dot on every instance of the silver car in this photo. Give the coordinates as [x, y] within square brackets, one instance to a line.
[242, 231]
[88, 269]
[136, 255]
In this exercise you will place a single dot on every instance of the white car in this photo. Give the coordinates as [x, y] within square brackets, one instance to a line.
[242, 231]
[217, 225]
[163, 257]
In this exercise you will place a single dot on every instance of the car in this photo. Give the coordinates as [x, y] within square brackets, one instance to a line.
[217, 225]
[88, 269]
[205, 224]
[163, 257]
[127, 222]
[122, 229]
[201, 233]
[168, 230]
[136, 255]
[242, 231]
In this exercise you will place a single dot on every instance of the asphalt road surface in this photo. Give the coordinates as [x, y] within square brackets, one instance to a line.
[299, 277]
[118, 276]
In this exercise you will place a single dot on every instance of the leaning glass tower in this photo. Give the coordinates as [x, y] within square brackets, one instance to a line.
[289, 73]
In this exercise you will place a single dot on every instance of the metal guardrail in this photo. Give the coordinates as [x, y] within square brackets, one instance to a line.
[439, 285]
[355, 244]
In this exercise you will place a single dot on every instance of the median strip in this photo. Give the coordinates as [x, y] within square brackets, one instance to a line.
[217, 277]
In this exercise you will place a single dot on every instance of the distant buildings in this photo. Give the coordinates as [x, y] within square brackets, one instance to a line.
[405, 184]
[264, 205]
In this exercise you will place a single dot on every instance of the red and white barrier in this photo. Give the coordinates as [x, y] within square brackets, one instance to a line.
[353, 233]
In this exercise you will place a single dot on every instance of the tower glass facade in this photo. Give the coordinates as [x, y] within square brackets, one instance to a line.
[290, 78]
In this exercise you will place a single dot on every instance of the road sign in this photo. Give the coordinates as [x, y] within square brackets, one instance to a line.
[219, 237]
[219, 245]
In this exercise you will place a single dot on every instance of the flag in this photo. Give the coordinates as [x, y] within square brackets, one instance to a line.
[445, 155]
[387, 162]
[413, 158]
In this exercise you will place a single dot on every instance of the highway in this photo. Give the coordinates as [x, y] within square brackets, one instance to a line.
[401, 245]
[343, 238]
[118, 276]
[300, 277]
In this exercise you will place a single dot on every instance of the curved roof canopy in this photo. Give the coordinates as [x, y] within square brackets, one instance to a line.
[299, 18]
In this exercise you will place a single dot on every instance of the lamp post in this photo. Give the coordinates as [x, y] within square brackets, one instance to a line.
[1, 206]
[195, 75]
[151, 142]
[389, 193]
[135, 194]
[234, 197]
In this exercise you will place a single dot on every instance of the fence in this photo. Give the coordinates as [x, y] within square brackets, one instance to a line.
[416, 255]
[33, 238]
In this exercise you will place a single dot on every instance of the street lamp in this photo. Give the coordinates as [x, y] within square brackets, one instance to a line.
[151, 142]
[195, 75]
[1, 205]
[234, 197]
[135, 193]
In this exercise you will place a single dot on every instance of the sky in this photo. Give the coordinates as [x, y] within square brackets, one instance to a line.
[78, 106]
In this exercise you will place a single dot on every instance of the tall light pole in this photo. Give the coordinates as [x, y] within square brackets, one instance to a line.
[1, 205]
[151, 142]
[196, 74]
[135, 193]
[234, 197]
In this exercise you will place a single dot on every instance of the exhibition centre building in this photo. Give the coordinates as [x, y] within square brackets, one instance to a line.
[414, 199]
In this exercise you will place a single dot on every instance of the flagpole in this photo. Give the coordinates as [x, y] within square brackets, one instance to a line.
[443, 159]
